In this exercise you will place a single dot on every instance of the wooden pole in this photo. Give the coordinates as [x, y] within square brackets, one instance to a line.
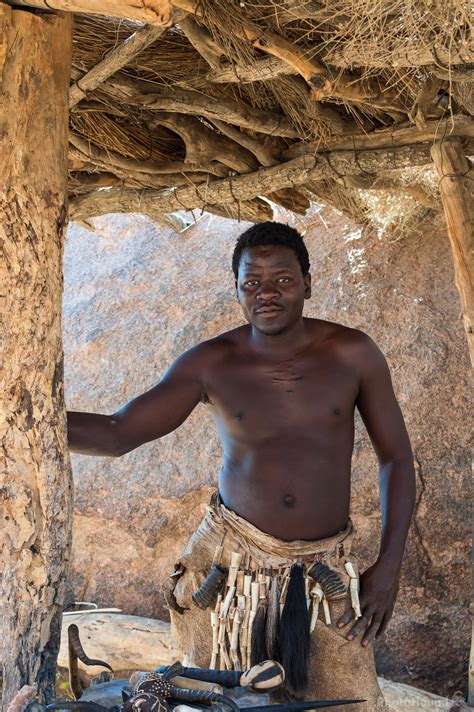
[152, 12]
[115, 60]
[455, 180]
[35, 473]
[223, 191]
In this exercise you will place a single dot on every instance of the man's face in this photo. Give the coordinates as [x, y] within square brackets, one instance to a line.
[271, 288]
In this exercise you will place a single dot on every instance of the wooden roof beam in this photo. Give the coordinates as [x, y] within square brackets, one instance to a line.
[259, 150]
[433, 130]
[261, 182]
[255, 210]
[114, 60]
[194, 103]
[204, 144]
[202, 41]
[260, 71]
[112, 160]
[151, 12]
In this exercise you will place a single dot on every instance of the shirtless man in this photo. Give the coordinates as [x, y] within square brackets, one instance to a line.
[284, 389]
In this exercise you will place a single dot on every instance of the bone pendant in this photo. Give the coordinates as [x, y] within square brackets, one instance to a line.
[227, 602]
[350, 569]
[215, 638]
[354, 589]
[234, 639]
[317, 596]
[327, 613]
[235, 560]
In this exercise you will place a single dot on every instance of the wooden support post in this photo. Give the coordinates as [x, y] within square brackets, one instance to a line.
[456, 176]
[35, 474]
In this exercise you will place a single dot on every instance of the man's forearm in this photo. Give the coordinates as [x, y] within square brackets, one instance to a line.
[93, 434]
[397, 500]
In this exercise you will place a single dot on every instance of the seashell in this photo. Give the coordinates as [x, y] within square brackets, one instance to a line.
[331, 583]
[206, 594]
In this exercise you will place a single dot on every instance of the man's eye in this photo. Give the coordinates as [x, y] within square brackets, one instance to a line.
[251, 283]
[284, 279]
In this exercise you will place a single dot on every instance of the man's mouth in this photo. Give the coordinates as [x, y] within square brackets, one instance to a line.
[269, 309]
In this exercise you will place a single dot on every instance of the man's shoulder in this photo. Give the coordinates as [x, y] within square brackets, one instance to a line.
[339, 333]
[345, 341]
[221, 344]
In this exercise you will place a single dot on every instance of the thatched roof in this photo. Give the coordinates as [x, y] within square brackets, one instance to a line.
[224, 105]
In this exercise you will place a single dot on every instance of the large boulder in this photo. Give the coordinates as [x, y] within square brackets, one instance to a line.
[136, 296]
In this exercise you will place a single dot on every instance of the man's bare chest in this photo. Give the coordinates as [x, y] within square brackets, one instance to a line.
[275, 395]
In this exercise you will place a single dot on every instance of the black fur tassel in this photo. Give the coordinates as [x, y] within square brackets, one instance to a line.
[259, 640]
[295, 633]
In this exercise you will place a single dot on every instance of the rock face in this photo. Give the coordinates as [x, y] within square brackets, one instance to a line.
[136, 296]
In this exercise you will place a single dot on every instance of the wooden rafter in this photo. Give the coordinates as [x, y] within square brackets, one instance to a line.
[204, 144]
[272, 67]
[415, 55]
[114, 60]
[410, 135]
[151, 12]
[114, 161]
[260, 71]
[201, 41]
[194, 103]
[290, 174]
[256, 146]
[158, 12]
[254, 210]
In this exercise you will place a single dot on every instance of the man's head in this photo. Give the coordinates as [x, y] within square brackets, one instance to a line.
[271, 233]
[271, 268]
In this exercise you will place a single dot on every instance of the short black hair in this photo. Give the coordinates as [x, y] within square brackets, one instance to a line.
[271, 233]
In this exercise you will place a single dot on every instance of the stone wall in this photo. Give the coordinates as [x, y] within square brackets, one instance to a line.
[137, 295]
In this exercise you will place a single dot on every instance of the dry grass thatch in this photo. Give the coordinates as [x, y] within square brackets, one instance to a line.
[233, 86]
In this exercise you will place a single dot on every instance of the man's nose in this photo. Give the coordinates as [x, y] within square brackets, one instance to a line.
[267, 291]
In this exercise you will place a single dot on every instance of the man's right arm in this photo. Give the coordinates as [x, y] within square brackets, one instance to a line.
[155, 413]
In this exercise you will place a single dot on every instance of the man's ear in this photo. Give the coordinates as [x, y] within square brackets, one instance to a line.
[307, 285]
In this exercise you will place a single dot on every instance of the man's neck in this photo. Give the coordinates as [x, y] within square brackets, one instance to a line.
[283, 344]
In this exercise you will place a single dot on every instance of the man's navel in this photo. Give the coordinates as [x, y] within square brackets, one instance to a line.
[289, 500]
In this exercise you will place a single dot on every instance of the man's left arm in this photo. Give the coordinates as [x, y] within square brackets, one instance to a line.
[384, 422]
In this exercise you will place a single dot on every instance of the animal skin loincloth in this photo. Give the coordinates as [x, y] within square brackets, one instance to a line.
[257, 565]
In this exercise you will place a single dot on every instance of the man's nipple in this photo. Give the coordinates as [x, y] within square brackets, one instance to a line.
[289, 500]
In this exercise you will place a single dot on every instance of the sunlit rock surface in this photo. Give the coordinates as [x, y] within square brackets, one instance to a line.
[136, 296]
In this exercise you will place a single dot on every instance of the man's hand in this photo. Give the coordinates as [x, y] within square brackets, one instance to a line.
[378, 593]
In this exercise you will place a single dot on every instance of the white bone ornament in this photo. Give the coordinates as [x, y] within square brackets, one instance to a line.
[353, 588]
[317, 596]
[327, 613]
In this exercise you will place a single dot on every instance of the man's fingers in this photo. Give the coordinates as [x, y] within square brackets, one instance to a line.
[372, 630]
[346, 618]
[385, 622]
[360, 625]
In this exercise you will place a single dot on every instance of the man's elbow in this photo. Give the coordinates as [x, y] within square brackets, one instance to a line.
[120, 443]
